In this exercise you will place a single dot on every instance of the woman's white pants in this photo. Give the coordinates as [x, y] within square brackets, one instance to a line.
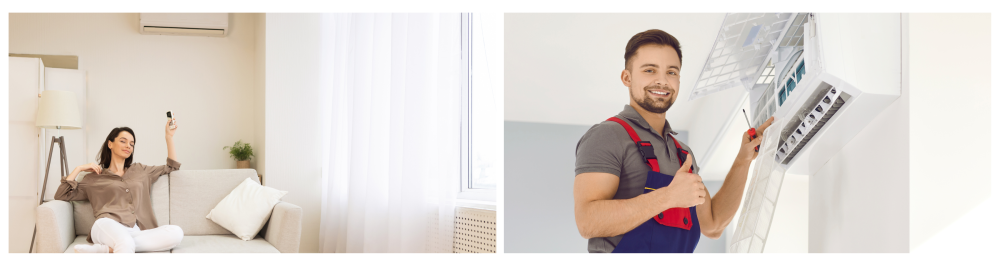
[124, 239]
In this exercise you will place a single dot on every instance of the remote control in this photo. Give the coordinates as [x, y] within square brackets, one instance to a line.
[170, 118]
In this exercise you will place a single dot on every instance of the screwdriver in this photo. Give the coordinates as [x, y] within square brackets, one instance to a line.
[752, 132]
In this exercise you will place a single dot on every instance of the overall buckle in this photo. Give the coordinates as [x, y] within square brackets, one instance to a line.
[646, 150]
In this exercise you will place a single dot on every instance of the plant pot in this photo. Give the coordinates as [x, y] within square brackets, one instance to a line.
[243, 164]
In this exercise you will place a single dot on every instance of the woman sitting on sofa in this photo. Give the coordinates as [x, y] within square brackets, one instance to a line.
[119, 192]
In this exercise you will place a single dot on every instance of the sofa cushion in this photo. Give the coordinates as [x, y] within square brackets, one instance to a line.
[223, 244]
[246, 209]
[193, 194]
[83, 212]
[160, 198]
[83, 240]
[83, 217]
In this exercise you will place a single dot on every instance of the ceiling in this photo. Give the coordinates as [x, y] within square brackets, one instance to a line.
[564, 69]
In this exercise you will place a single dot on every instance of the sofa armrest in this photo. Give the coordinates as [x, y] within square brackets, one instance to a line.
[54, 224]
[284, 230]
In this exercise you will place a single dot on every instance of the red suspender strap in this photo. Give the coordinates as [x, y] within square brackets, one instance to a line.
[645, 148]
[673, 217]
[680, 151]
[631, 132]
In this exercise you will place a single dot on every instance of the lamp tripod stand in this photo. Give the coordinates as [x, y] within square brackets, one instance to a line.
[63, 170]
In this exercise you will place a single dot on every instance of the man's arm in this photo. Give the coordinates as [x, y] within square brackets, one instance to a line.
[713, 220]
[716, 213]
[598, 215]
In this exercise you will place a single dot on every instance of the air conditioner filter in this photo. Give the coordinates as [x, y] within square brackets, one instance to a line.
[761, 197]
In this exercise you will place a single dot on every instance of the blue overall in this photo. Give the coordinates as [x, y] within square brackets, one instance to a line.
[675, 230]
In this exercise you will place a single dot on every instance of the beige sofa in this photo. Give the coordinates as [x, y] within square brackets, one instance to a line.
[182, 198]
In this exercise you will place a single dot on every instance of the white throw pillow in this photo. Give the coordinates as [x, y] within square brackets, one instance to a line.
[245, 210]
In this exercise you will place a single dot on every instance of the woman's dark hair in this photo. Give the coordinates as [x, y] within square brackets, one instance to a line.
[104, 157]
[653, 36]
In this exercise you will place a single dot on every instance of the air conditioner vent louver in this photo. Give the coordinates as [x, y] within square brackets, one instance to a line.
[814, 115]
[183, 31]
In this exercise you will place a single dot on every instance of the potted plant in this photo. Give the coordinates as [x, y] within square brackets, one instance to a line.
[242, 152]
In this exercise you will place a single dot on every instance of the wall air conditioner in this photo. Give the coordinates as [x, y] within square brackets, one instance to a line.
[823, 77]
[188, 24]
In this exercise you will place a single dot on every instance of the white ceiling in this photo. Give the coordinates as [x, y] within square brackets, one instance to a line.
[564, 69]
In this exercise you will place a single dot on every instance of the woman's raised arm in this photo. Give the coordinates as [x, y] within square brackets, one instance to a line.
[170, 139]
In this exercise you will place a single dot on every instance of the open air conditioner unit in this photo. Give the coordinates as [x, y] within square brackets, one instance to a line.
[823, 77]
[189, 24]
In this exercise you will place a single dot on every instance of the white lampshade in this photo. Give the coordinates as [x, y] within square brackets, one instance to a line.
[58, 108]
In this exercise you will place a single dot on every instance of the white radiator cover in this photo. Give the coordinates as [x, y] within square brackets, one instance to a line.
[475, 231]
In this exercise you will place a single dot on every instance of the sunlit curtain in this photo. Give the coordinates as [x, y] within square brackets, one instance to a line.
[391, 132]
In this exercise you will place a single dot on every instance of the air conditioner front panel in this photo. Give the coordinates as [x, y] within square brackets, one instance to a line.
[862, 49]
[853, 116]
[183, 31]
[195, 24]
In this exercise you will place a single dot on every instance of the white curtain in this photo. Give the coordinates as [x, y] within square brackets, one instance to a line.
[391, 132]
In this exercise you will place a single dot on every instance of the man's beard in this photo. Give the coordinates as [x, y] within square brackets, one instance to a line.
[653, 105]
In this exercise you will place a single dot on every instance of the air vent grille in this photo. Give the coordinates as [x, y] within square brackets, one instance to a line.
[475, 231]
[183, 31]
[810, 120]
[739, 52]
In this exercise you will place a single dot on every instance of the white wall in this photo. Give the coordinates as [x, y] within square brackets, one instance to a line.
[858, 200]
[292, 114]
[568, 66]
[565, 69]
[789, 231]
[949, 120]
[25, 83]
[134, 79]
[258, 92]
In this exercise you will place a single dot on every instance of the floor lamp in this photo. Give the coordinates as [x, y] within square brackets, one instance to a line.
[57, 109]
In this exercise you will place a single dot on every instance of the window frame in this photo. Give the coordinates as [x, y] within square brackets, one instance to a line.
[467, 194]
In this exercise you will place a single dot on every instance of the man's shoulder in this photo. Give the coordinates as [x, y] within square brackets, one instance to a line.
[606, 129]
[605, 134]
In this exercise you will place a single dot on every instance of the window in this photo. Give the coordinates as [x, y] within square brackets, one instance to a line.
[482, 54]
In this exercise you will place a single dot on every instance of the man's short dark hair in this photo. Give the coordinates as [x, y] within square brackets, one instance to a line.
[653, 36]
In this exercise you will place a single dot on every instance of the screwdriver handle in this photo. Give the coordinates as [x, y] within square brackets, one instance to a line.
[753, 135]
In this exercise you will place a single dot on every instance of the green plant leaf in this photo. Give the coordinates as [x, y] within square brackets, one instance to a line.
[240, 151]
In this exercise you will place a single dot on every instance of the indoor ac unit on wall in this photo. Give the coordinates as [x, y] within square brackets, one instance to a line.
[188, 24]
[823, 77]
[826, 75]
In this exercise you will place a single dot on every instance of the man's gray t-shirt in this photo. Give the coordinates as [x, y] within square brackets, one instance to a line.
[607, 148]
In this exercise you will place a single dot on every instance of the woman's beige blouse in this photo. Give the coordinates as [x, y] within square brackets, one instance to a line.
[125, 198]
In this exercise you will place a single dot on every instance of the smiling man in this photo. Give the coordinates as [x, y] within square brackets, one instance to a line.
[637, 187]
